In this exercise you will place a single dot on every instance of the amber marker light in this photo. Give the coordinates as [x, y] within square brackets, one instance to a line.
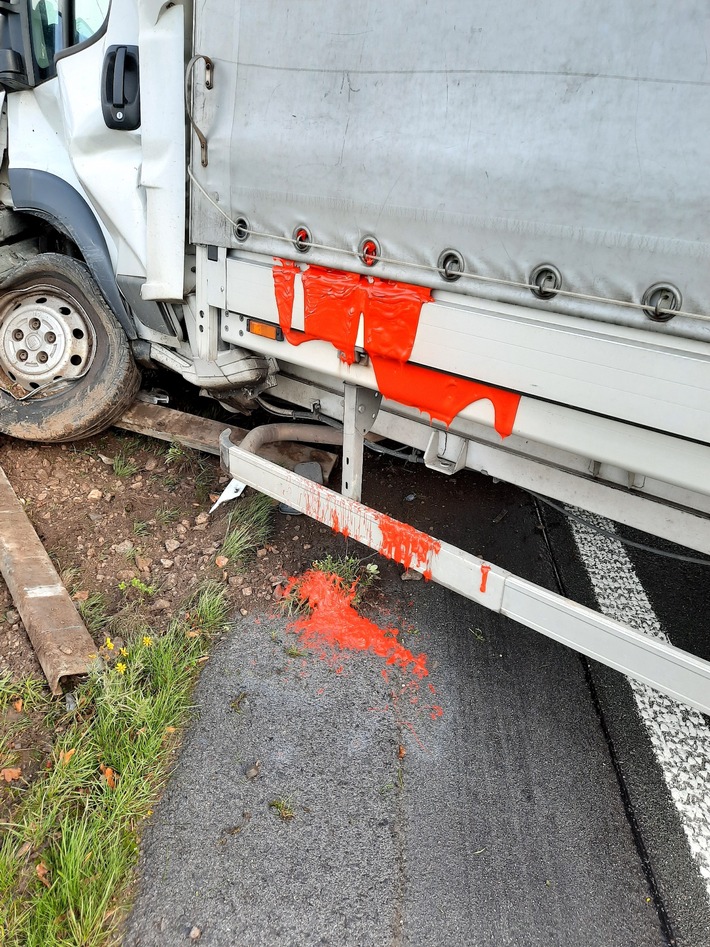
[267, 330]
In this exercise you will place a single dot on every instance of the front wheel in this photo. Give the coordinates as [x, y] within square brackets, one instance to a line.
[66, 368]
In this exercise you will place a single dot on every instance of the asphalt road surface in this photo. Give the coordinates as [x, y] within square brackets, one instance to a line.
[526, 797]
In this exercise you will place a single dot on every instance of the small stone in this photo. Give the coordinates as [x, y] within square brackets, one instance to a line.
[246, 592]
[151, 463]
[195, 933]
[306, 545]
[12, 616]
[143, 564]
[221, 562]
[202, 518]
[162, 605]
[260, 553]
[96, 517]
[106, 460]
[124, 547]
[243, 611]
[166, 563]
[411, 575]
[171, 545]
[95, 494]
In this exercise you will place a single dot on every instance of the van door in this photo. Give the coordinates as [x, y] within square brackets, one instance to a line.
[105, 116]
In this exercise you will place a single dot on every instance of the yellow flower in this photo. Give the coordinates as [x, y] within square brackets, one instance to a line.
[147, 641]
[121, 667]
[123, 652]
[108, 644]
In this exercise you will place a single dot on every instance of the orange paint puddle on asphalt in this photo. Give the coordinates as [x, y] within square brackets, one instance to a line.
[334, 623]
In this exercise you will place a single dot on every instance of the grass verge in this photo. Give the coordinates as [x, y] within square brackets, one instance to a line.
[67, 857]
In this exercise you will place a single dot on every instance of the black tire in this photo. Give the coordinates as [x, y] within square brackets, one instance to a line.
[95, 385]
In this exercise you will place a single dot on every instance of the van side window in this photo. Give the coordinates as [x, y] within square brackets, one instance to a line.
[46, 33]
[57, 26]
[89, 16]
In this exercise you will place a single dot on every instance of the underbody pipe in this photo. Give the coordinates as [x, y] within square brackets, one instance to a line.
[302, 433]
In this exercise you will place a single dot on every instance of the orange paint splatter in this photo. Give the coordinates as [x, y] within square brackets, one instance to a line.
[406, 545]
[334, 622]
[333, 302]
[485, 569]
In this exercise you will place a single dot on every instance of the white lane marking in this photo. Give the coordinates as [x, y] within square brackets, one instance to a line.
[679, 735]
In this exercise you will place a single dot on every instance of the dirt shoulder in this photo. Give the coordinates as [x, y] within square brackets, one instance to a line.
[125, 520]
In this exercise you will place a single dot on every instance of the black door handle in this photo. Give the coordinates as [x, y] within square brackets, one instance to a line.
[120, 88]
[119, 76]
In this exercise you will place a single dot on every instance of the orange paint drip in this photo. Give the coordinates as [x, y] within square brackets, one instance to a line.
[392, 318]
[284, 277]
[484, 576]
[333, 622]
[442, 396]
[406, 545]
[332, 301]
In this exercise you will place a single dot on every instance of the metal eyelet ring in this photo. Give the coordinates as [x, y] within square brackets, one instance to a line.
[547, 281]
[661, 296]
[369, 251]
[241, 229]
[302, 239]
[450, 265]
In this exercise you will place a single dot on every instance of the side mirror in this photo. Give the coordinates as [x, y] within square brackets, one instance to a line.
[17, 67]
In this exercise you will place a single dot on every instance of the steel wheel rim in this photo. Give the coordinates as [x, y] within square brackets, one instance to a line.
[45, 337]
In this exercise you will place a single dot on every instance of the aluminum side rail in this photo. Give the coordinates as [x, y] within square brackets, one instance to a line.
[670, 670]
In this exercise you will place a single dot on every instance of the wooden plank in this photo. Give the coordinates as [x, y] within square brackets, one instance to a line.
[190, 430]
[63, 645]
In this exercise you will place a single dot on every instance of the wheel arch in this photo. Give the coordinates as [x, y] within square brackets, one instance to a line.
[52, 199]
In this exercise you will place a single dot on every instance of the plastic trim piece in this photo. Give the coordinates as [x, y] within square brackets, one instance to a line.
[52, 199]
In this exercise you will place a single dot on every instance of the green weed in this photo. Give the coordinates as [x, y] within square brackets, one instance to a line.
[248, 527]
[138, 585]
[167, 515]
[124, 466]
[294, 652]
[284, 809]
[94, 612]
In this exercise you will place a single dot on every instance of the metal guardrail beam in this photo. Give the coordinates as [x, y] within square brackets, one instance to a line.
[63, 645]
